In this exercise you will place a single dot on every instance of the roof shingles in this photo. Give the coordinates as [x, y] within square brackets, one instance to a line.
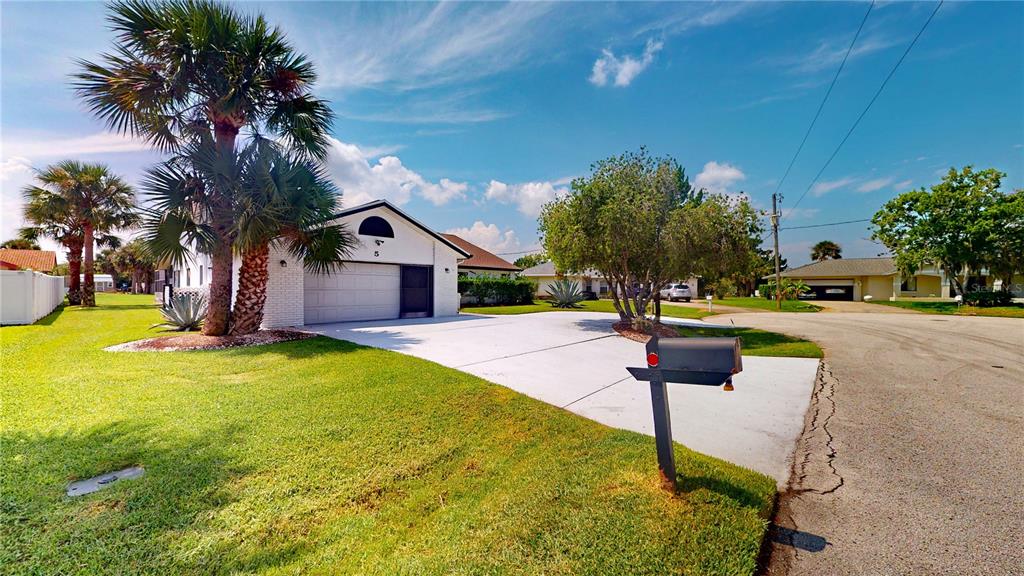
[480, 258]
[844, 268]
[38, 260]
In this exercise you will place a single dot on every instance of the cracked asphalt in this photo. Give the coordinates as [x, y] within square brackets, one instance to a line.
[912, 456]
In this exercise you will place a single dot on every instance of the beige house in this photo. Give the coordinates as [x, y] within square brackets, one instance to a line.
[544, 276]
[872, 278]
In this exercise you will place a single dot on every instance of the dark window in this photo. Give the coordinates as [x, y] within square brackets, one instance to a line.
[376, 226]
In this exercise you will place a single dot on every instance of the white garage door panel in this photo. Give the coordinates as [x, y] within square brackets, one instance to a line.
[359, 292]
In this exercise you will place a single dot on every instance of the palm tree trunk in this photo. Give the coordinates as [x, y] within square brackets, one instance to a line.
[74, 271]
[218, 307]
[89, 284]
[218, 311]
[252, 291]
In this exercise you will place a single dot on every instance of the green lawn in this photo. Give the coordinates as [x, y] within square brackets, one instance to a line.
[1016, 311]
[760, 342]
[768, 305]
[587, 305]
[321, 456]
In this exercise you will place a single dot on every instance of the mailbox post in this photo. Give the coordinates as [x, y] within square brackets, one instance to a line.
[699, 361]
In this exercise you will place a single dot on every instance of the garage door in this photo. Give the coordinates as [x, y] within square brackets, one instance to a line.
[834, 292]
[359, 292]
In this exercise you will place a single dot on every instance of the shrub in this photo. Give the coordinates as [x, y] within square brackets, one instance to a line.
[565, 294]
[497, 290]
[186, 312]
[791, 289]
[988, 299]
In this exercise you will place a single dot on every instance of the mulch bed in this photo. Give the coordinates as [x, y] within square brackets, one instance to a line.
[625, 329]
[198, 341]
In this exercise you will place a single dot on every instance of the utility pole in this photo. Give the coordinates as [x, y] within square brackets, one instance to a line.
[775, 234]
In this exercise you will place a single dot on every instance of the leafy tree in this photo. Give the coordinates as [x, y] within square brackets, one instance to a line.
[826, 250]
[952, 225]
[637, 220]
[1006, 238]
[184, 71]
[79, 205]
[20, 244]
[531, 260]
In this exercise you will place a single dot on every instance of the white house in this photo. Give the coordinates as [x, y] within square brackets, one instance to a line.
[545, 275]
[400, 269]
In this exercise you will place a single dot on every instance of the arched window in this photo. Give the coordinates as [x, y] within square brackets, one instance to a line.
[376, 226]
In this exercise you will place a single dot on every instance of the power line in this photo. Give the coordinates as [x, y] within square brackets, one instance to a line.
[825, 99]
[535, 250]
[870, 103]
[824, 225]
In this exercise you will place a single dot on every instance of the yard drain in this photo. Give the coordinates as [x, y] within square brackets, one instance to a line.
[97, 483]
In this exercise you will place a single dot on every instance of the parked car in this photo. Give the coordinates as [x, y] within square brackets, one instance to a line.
[674, 292]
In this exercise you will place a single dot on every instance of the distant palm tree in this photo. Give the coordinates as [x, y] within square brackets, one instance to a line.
[826, 250]
[20, 244]
[188, 69]
[79, 205]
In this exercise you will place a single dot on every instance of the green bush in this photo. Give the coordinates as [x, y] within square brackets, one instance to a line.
[791, 289]
[497, 290]
[988, 299]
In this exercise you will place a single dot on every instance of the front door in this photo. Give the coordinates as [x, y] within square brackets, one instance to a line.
[417, 291]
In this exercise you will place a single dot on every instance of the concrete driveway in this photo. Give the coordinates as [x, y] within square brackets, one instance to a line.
[574, 360]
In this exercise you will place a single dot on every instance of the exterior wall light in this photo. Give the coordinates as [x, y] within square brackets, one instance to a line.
[284, 263]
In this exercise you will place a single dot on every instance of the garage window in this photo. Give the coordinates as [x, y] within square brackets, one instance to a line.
[376, 226]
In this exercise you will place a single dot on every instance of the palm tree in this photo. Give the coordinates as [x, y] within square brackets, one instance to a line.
[80, 204]
[184, 70]
[278, 199]
[134, 261]
[286, 201]
[20, 244]
[826, 250]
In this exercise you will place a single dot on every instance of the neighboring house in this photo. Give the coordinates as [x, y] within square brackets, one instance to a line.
[101, 282]
[856, 278]
[38, 260]
[400, 269]
[544, 275]
[481, 262]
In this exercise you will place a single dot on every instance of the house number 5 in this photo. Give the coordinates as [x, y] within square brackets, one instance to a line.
[376, 252]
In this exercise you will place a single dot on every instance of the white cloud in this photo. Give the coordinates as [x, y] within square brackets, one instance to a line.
[798, 213]
[826, 186]
[51, 146]
[876, 184]
[719, 178]
[489, 237]
[829, 53]
[387, 178]
[529, 197]
[622, 70]
[902, 186]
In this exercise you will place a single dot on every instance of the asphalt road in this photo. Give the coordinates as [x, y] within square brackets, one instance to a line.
[912, 456]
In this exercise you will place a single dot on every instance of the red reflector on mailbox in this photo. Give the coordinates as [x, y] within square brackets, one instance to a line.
[652, 359]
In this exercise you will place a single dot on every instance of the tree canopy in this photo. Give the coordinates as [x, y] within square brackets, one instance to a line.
[826, 250]
[639, 223]
[20, 244]
[962, 224]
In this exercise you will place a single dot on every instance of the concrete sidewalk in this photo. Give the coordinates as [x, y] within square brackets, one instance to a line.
[575, 360]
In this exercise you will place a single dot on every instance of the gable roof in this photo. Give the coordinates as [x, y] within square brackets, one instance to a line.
[844, 267]
[548, 269]
[38, 260]
[410, 219]
[480, 258]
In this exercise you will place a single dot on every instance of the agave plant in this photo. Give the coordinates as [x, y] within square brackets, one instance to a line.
[186, 312]
[565, 294]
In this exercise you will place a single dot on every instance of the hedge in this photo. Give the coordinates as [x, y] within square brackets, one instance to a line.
[988, 299]
[497, 290]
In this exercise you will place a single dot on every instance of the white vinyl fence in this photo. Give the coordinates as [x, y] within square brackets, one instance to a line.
[27, 296]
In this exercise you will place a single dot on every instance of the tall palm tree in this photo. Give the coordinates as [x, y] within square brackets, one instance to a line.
[79, 204]
[826, 250]
[188, 69]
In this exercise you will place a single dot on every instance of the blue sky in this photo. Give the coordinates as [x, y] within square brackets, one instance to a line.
[471, 116]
